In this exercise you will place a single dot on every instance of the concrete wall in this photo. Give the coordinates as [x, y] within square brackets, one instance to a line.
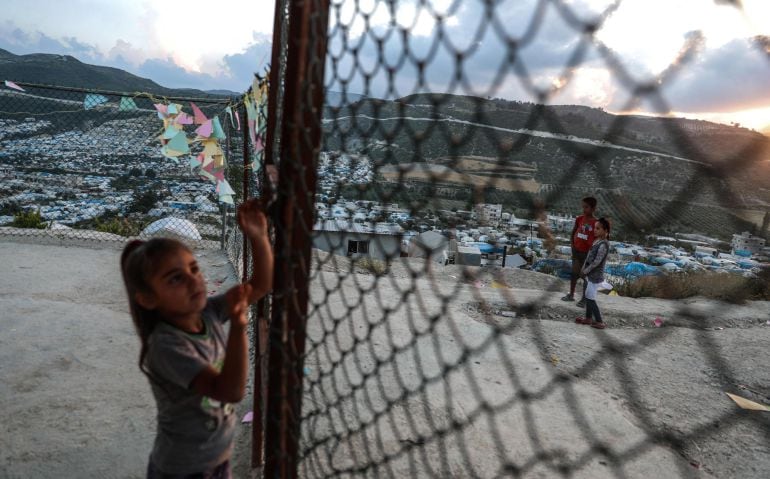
[336, 242]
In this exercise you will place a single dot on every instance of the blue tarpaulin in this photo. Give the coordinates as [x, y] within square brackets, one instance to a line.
[632, 270]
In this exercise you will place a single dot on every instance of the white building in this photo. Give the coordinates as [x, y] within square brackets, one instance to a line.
[747, 242]
[561, 224]
[356, 240]
[488, 213]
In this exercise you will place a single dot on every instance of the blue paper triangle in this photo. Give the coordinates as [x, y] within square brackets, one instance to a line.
[93, 100]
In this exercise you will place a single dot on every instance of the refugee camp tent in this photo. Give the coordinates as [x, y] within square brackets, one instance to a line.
[632, 270]
[430, 244]
[176, 228]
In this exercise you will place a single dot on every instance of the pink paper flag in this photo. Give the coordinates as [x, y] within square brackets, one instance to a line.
[205, 129]
[184, 119]
[220, 175]
[161, 108]
[252, 133]
[11, 84]
[259, 146]
[200, 118]
[248, 417]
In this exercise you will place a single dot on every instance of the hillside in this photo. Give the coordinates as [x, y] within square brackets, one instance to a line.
[65, 70]
[651, 173]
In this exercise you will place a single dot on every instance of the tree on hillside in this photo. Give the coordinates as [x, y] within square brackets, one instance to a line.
[143, 201]
[135, 172]
[150, 173]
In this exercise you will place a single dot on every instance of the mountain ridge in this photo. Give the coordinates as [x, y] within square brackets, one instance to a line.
[68, 71]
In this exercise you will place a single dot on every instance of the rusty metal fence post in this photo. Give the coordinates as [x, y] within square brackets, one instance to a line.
[300, 132]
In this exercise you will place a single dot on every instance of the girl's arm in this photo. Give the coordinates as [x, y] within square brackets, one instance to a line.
[601, 253]
[253, 223]
[229, 384]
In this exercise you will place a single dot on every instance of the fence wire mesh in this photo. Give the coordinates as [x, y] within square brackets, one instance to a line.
[422, 344]
[88, 165]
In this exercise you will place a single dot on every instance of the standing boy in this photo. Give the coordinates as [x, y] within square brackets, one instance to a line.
[582, 239]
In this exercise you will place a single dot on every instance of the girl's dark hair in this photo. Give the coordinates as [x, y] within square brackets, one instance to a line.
[138, 263]
[605, 224]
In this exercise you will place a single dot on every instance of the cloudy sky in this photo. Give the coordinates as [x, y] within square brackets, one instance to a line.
[724, 75]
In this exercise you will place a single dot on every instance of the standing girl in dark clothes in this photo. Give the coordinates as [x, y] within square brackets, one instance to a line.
[593, 273]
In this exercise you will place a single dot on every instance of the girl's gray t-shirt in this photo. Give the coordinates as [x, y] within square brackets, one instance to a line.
[195, 433]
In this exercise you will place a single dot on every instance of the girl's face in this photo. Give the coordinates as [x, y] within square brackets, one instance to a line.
[178, 285]
[599, 231]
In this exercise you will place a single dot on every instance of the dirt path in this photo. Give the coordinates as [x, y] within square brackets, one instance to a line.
[75, 404]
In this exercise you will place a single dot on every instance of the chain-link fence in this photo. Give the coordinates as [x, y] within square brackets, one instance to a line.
[99, 166]
[412, 331]
[417, 335]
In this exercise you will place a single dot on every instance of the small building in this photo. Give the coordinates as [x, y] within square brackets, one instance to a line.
[357, 240]
[488, 213]
[747, 242]
[468, 256]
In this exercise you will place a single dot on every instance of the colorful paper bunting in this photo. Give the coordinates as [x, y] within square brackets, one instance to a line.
[11, 84]
[179, 143]
[195, 162]
[252, 132]
[251, 111]
[170, 153]
[172, 109]
[223, 188]
[208, 171]
[127, 104]
[200, 118]
[183, 119]
[229, 112]
[170, 132]
[205, 129]
[211, 148]
[162, 110]
[226, 199]
[93, 100]
[219, 133]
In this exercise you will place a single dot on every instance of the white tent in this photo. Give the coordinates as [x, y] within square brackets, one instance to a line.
[430, 244]
[176, 228]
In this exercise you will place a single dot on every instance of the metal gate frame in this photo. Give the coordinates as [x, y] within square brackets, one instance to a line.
[299, 137]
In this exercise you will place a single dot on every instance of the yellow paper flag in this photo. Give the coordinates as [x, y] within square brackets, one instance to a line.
[211, 148]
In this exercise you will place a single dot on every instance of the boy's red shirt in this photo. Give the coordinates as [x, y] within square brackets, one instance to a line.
[584, 234]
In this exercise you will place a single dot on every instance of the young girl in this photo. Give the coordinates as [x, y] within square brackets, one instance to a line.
[194, 369]
[593, 272]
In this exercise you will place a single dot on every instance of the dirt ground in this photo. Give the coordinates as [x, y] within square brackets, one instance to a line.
[534, 391]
